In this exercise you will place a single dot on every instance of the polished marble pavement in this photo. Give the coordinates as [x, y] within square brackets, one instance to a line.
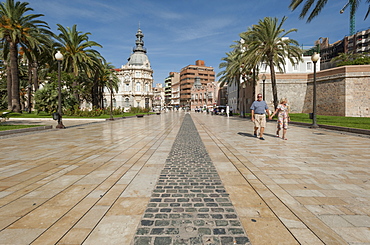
[92, 183]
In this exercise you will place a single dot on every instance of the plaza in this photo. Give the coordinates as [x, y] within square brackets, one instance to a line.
[154, 180]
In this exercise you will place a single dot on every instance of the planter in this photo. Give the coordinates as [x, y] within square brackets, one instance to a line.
[140, 115]
[158, 113]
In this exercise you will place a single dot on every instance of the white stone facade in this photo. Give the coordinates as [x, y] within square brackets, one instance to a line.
[136, 80]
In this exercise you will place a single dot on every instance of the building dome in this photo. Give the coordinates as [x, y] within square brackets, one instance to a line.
[139, 57]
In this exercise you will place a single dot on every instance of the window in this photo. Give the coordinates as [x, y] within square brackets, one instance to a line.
[138, 87]
[137, 74]
[146, 87]
[127, 87]
[309, 66]
[127, 102]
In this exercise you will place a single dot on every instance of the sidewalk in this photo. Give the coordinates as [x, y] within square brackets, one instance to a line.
[91, 184]
[50, 122]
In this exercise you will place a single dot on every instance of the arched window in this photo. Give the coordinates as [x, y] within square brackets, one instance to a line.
[127, 102]
[127, 87]
[138, 87]
[146, 87]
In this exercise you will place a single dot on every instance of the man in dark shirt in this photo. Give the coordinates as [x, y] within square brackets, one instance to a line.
[258, 114]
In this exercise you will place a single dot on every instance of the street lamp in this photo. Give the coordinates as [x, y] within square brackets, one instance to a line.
[263, 84]
[111, 97]
[315, 57]
[59, 58]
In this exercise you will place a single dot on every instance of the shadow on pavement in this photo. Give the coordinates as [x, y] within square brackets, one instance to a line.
[252, 136]
[246, 134]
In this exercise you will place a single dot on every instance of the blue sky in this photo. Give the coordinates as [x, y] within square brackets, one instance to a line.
[179, 32]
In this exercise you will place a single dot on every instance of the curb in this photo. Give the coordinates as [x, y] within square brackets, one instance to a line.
[24, 130]
[337, 128]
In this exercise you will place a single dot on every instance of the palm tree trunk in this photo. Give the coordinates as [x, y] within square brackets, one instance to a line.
[35, 79]
[29, 88]
[273, 84]
[101, 98]
[95, 91]
[9, 86]
[13, 54]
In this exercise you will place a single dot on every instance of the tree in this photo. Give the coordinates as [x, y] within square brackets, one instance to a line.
[265, 44]
[77, 51]
[235, 71]
[108, 79]
[231, 66]
[18, 27]
[46, 98]
[320, 4]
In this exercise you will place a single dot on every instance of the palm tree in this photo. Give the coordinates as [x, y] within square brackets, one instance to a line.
[265, 43]
[77, 51]
[234, 69]
[231, 65]
[320, 4]
[35, 55]
[18, 27]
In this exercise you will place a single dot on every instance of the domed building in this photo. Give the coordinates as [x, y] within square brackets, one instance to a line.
[136, 79]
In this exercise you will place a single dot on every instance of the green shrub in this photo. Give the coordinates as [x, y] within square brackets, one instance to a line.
[46, 99]
[136, 110]
[94, 112]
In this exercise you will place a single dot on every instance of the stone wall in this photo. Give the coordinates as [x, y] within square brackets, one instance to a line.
[290, 86]
[341, 91]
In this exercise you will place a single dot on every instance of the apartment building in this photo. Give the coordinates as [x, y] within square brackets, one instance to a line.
[354, 44]
[172, 79]
[203, 96]
[188, 75]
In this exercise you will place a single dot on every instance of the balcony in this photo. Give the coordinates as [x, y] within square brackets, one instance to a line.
[360, 50]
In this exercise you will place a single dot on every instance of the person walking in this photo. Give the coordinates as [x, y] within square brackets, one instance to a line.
[283, 117]
[258, 114]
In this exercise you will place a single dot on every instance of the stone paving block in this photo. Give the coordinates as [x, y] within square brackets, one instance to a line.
[199, 209]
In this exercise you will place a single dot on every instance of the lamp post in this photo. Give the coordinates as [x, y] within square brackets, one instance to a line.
[263, 86]
[59, 58]
[111, 97]
[315, 57]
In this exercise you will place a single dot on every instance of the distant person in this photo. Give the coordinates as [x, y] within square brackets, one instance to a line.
[258, 114]
[283, 117]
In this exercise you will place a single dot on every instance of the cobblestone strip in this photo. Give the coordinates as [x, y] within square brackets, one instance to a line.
[189, 204]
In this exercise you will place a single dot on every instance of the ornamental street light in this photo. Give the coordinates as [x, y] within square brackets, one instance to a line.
[315, 57]
[263, 86]
[59, 58]
[111, 97]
